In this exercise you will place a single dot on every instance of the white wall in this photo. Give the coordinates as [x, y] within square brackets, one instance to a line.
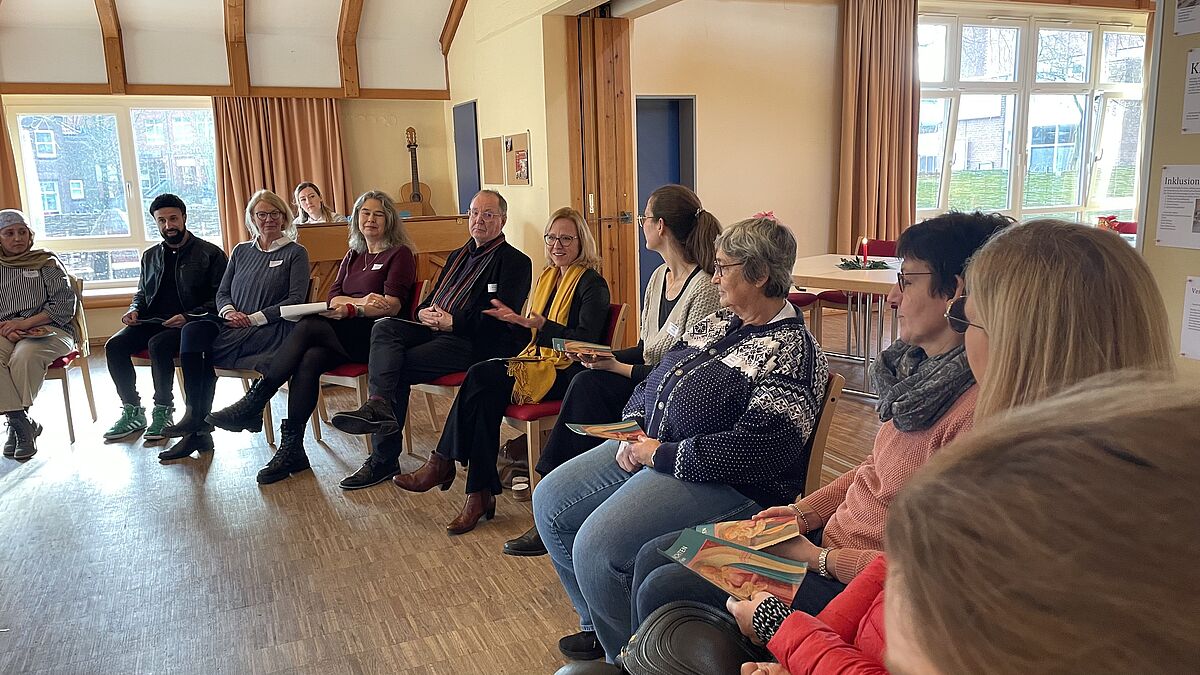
[767, 81]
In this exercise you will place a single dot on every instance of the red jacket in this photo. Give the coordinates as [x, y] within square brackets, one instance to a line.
[846, 638]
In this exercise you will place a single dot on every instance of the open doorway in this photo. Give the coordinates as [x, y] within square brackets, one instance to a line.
[666, 153]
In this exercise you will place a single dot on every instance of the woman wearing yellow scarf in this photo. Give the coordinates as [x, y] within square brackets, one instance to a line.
[570, 300]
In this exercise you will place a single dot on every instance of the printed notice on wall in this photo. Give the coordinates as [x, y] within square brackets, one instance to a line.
[1187, 17]
[1191, 94]
[1189, 340]
[1179, 207]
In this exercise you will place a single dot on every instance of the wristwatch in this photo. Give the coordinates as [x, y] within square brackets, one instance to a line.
[823, 563]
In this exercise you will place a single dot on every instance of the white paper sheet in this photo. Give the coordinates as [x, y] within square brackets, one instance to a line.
[1187, 17]
[297, 312]
[1179, 207]
[1189, 340]
[1191, 94]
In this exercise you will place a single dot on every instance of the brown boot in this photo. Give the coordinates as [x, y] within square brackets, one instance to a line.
[436, 470]
[479, 505]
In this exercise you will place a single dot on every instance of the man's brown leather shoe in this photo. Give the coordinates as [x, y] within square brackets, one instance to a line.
[479, 505]
[437, 470]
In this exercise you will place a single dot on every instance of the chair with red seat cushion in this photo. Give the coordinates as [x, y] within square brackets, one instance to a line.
[809, 301]
[538, 418]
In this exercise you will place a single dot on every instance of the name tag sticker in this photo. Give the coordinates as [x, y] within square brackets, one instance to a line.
[29, 274]
[673, 329]
[376, 267]
[493, 288]
[275, 263]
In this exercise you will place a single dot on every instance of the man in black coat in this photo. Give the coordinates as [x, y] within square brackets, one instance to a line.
[179, 277]
[455, 334]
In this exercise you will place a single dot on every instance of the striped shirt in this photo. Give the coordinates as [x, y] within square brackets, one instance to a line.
[24, 293]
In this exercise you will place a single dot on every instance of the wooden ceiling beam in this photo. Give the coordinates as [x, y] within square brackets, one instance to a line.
[348, 22]
[235, 46]
[453, 17]
[114, 49]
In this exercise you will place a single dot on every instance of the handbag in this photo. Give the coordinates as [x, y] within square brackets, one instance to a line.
[688, 638]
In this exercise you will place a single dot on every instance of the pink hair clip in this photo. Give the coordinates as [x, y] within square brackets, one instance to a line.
[766, 214]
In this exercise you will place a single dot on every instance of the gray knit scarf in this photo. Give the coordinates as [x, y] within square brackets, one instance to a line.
[915, 390]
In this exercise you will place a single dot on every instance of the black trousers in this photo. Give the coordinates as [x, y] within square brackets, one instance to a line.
[316, 345]
[163, 344]
[593, 397]
[403, 355]
[195, 358]
[472, 434]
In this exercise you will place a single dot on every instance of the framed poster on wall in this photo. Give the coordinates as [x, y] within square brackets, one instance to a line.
[516, 159]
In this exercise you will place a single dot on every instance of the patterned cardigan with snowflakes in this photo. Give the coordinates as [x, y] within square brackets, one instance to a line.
[735, 404]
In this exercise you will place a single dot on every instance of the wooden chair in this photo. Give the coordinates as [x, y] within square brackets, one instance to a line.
[820, 434]
[60, 369]
[538, 418]
[355, 376]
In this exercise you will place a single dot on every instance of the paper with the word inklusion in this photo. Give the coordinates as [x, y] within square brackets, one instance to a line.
[737, 570]
[755, 534]
[580, 347]
[626, 430]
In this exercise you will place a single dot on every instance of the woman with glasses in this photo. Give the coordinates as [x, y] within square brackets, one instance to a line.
[926, 397]
[310, 207]
[374, 280]
[570, 300]
[1050, 304]
[267, 272]
[679, 295]
[726, 414]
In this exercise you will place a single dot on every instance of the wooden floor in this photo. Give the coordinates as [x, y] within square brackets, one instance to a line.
[112, 562]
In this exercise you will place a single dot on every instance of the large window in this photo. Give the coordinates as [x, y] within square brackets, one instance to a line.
[1028, 117]
[89, 172]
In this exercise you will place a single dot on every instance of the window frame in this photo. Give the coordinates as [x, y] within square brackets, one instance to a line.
[1094, 89]
[122, 108]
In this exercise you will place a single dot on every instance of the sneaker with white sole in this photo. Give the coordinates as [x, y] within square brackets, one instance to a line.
[133, 420]
[160, 418]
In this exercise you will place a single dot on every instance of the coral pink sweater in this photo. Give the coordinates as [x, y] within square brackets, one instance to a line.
[854, 507]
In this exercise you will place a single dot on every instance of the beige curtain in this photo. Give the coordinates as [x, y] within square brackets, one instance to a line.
[10, 194]
[274, 143]
[880, 99]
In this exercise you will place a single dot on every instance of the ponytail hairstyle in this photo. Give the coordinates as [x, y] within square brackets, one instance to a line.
[695, 229]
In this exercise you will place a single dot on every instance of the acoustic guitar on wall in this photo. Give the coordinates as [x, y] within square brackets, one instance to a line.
[416, 193]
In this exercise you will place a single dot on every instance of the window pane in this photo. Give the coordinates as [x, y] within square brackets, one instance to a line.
[989, 54]
[102, 265]
[1056, 131]
[1114, 175]
[931, 149]
[931, 52]
[1069, 216]
[1123, 57]
[1063, 55]
[979, 173]
[58, 151]
[176, 153]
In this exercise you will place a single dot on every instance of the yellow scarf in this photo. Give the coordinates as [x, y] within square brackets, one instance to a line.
[534, 378]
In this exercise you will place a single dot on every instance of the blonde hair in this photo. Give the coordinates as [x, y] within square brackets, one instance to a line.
[289, 228]
[589, 252]
[1061, 302]
[1060, 538]
[302, 217]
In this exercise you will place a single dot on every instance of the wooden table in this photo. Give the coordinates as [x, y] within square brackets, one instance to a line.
[865, 289]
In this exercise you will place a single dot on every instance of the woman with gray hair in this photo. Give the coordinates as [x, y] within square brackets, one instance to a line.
[266, 273]
[375, 280]
[726, 414]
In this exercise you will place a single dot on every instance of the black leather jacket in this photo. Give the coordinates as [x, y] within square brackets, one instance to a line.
[197, 276]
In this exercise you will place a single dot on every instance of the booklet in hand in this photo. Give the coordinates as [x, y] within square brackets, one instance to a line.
[627, 430]
[581, 347]
[737, 570]
[756, 534]
[297, 312]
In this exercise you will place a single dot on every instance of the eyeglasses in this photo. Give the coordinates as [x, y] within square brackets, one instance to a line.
[268, 215]
[903, 281]
[565, 240]
[483, 215]
[956, 314]
[642, 219]
[719, 268]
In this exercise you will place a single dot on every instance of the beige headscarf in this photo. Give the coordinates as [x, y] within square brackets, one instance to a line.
[36, 259]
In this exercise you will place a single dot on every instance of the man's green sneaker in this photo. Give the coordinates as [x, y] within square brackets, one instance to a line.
[161, 416]
[133, 420]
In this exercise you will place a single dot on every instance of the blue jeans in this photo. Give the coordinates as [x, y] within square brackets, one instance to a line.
[593, 540]
[657, 582]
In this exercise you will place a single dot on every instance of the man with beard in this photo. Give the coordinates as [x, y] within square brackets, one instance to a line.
[179, 277]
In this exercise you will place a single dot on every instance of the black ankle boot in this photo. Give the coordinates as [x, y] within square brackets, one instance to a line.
[247, 413]
[289, 458]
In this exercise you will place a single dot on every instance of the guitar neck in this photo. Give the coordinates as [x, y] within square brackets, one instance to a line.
[416, 179]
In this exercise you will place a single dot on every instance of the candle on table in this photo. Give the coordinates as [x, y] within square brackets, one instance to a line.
[864, 250]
